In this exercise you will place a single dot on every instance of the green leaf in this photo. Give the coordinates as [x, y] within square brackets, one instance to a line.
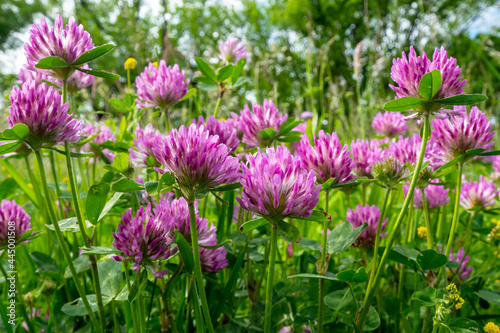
[372, 321]
[250, 225]
[463, 325]
[450, 163]
[205, 80]
[426, 297]
[96, 200]
[17, 132]
[316, 216]
[216, 246]
[140, 283]
[20, 180]
[225, 73]
[343, 236]
[95, 53]
[338, 299]
[118, 104]
[491, 153]
[289, 125]
[227, 187]
[70, 224]
[191, 92]
[206, 69]
[185, 251]
[98, 73]
[52, 63]
[402, 254]
[328, 276]
[310, 244]
[9, 147]
[99, 250]
[110, 277]
[81, 264]
[288, 232]
[430, 259]
[474, 152]
[167, 179]
[110, 205]
[430, 84]
[462, 99]
[76, 308]
[268, 133]
[404, 104]
[120, 162]
[72, 153]
[350, 275]
[129, 99]
[151, 187]
[126, 185]
[238, 69]
[489, 295]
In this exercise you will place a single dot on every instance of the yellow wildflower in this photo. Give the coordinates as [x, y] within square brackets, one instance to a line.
[130, 63]
[155, 64]
[422, 232]
[491, 328]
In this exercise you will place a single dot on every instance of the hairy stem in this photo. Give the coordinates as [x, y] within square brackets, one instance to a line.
[270, 279]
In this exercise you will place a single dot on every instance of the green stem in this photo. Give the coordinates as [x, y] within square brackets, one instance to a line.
[427, 218]
[377, 238]
[64, 247]
[270, 280]
[454, 221]
[132, 305]
[81, 224]
[197, 267]
[390, 242]
[217, 106]
[56, 182]
[324, 266]
[167, 121]
[128, 81]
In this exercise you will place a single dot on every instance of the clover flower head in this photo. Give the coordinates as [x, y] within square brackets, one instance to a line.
[365, 153]
[144, 141]
[435, 195]
[232, 50]
[389, 124]
[261, 117]
[160, 86]
[225, 129]
[276, 185]
[327, 158]
[197, 159]
[457, 135]
[143, 239]
[463, 271]
[370, 215]
[67, 43]
[12, 218]
[478, 194]
[40, 108]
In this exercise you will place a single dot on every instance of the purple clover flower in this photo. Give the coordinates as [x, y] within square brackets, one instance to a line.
[143, 239]
[232, 50]
[197, 160]
[25, 75]
[105, 134]
[260, 118]
[406, 150]
[457, 135]
[478, 194]
[365, 153]
[306, 115]
[366, 214]
[144, 142]
[389, 124]
[435, 195]
[463, 271]
[160, 86]
[276, 185]
[225, 129]
[407, 73]
[67, 43]
[40, 108]
[12, 216]
[327, 158]
[175, 215]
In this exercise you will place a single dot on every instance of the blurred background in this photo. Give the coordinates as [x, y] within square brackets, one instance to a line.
[332, 57]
